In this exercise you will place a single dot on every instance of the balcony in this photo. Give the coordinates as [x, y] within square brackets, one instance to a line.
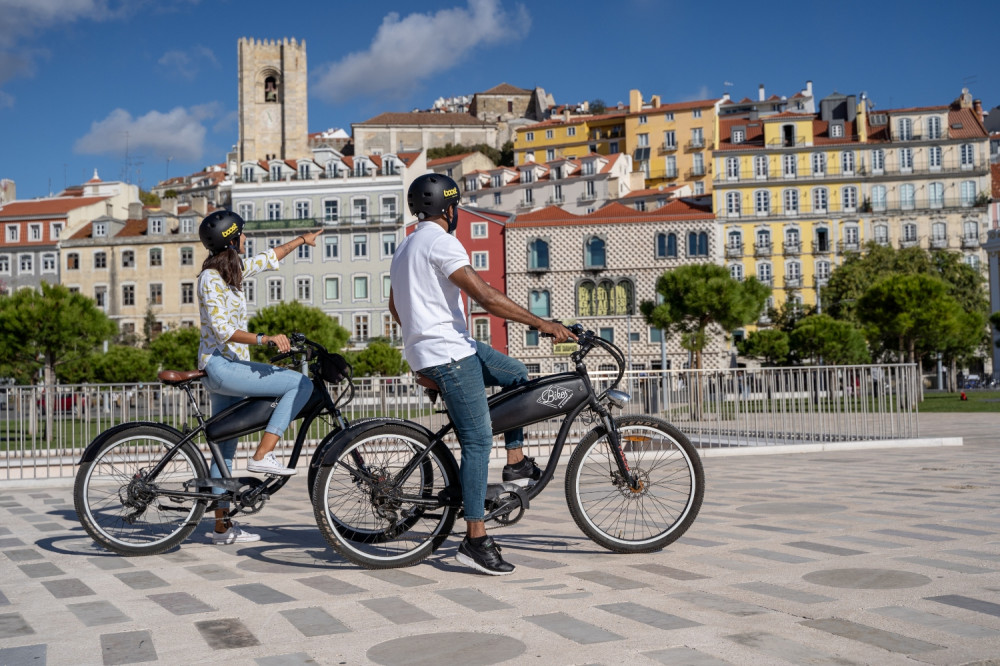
[821, 248]
[793, 247]
[822, 281]
[970, 242]
[793, 282]
[908, 242]
[587, 196]
[939, 243]
[762, 249]
[695, 144]
[848, 246]
[734, 251]
[696, 172]
[668, 147]
[556, 201]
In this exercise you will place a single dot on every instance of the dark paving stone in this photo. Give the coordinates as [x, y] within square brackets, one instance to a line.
[49, 527]
[975, 554]
[866, 579]
[609, 580]
[28, 654]
[10, 542]
[886, 640]
[457, 648]
[772, 528]
[41, 570]
[67, 587]
[955, 530]
[572, 629]
[110, 563]
[141, 580]
[214, 572]
[701, 543]
[914, 535]
[824, 548]
[398, 577]
[295, 659]
[968, 603]
[782, 648]
[314, 622]
[571, 595]
[684, 655]
[649, 616]
[474, 600]
[13, 625]
[226, 634]
[520, 559]
[330, 585]
[669, 572]
[260, 594]
[791, 508]
[937, 622]
[22, 555]
[180, 603]
[787, 593]
[946, 565]
[719, 603]
[96, 613]
[775, 556]
[396, 610]
[20, 510]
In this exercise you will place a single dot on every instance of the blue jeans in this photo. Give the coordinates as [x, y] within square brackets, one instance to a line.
[463, 387]
[228, 382]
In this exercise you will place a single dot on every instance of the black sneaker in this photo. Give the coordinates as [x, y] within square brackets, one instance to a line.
[485, 558]
[522, 473]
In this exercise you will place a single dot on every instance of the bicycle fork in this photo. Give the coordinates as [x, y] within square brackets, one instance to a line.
[617, 450]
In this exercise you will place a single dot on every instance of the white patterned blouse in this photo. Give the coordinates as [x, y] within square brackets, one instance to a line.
[224, 310]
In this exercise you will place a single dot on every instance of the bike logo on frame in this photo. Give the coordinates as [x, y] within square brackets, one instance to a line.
[555, 397]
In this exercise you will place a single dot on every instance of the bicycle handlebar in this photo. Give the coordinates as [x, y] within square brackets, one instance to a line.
[587, 340]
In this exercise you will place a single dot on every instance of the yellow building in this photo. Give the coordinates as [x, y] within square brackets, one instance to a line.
[567, 137]
[788, 195]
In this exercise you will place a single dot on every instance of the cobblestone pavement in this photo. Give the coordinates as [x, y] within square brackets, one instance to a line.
[885, 556]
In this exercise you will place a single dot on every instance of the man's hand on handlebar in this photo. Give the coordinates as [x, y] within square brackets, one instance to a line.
[556, 331]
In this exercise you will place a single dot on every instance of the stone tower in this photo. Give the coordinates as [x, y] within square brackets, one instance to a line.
[272, 100]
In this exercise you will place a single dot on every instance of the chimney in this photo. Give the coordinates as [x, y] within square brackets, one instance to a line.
[566, 115]
[655, 101]
[760, 93]
[977, 106]
[135, 210]
[809, 88]
[199, 205]
[634, 101]
[169, 204]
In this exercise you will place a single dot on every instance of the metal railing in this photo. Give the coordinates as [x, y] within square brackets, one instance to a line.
[727, 408]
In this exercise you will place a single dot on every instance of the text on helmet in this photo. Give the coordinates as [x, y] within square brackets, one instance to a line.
[229, 232]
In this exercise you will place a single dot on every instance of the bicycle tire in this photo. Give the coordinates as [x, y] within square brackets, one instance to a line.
[129, 517]
[361, 522]
[643, 521]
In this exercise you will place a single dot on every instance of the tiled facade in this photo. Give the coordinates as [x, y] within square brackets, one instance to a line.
[596, 269]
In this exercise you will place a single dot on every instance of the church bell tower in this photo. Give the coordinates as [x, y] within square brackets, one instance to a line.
[272, 100]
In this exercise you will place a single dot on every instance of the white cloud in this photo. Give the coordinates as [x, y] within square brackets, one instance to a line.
[188, 64]
[178, 133]
[428, 43]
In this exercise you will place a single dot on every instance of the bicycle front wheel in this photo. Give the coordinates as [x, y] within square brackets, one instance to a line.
[627, 520]
[372, 516]
[129, 513]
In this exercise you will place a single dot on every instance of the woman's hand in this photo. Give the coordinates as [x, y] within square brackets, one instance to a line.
[311, 236]
[280, 341]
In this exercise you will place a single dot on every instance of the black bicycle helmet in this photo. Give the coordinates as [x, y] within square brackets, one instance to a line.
[432, 195]
[221, 230]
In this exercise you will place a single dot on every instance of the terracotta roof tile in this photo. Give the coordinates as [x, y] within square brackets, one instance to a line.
[505, 89]
[971, 125]
[613, 213]
[56, 207]
[423, 118]
[448, 160]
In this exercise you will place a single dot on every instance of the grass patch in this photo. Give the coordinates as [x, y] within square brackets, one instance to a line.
[978, 401]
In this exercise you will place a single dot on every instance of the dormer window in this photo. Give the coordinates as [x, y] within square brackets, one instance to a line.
[836, 130]
[588, 168]
[495, 180]
[100, 229]
[156, 226]
[276, 172]
[527, 176]
[739, 135]
[304, 170]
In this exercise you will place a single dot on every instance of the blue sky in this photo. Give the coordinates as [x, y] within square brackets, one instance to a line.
[141, 90]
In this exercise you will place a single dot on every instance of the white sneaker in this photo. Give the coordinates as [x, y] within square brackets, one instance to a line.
[235, 534]
[269, 465]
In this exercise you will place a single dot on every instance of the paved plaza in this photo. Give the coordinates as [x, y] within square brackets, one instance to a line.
[862, 556]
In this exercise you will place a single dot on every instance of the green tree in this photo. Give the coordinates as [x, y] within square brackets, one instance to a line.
[148, 326]
[770, 345]
[506, 154]
[910, 314]
[830, 341]
[700, 297]
[597, 106]
[149, 199]
[177, 349]
[294, 317]
[378, 358]
[451, 149]
[43, 331]
[125, 365]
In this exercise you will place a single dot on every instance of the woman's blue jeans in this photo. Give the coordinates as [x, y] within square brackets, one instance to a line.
[230, 381]
[463, 387]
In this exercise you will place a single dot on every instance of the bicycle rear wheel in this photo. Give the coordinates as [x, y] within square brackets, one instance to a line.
[128, 513]
[635, 521]
[372, 517]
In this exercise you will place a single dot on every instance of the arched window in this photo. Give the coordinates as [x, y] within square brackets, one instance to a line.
[820, 199]
[538, 304]
[735, 240]
[594, 253]
[791, 198]
[732, 168]
[935, 195]
[818, 164]
[763, 239]
[847, 162]
[878, 197]
[907, 196]
[762, 202]
[666, 245]
[605, 298]
[849, 198]
[585, 299]
[271, 89]
[760, 166]
[736, 272]
[968, 190]
[733, 203]
[538, 255]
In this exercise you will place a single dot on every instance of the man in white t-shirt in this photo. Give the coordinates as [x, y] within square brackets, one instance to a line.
[430, 270]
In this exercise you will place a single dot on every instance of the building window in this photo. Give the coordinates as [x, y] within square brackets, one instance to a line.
[760, 166]
[878, 160]
[847, 162]
[818, 164]
[479, 230]
[531, 338]
[934, 157]
[820, 197]
[360, 246]
[882, 234]
[666, 245]
[762, 202]
[156, 257]
[100, 260]
[570, 131]
[361, 327]
[246, 211]
[538, 304]
[764, 273]
[907, 196]
[594, 253]
[697, 137]
[250, 289]
[361, 288]
[605, 298]
[34, 232]
[733, 204]
[496, 198]
[303, 252]
[878, 197]
[100, 230]
[187, 293]
[735, 272]
[906, 159]
[967, 155]
[904, 129]
[26, 264]
[72, 261]
[968, 189]
[739, 136]
[359, 209]
[101, 297]
[538, 255]
[274, 290]
[480, 261]
[187, 256]
[732, 168]
[331, 247]
[935, 195]
[331, 210]
[791, 198]
[331, 288]
[128, 295]
[388, 244]
[156, 226]
[303, 289]
[697, 244]
[55, 230]
[836, 131]
[128, 259]
[849, 198]
[910, 232]
[274, 210]
[156, 294]
[933, 127]
[302, 210]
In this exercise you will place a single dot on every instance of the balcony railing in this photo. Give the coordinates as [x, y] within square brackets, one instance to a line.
[821, 248]
[309, 222]
[317, 175]
[762, 249]
[591, 196]
[892, 206]
[734, 251]
[793, 247]
[835, 171]
[696, 172]
[695, 144]
[848, 246]
[908, 242]
[668, 147]
[970, 242]
[793, 282]
[556, 200]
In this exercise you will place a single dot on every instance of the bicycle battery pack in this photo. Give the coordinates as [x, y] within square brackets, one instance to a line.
[538, 400]
[250, 415]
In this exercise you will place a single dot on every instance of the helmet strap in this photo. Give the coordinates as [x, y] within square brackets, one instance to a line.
[451, 218]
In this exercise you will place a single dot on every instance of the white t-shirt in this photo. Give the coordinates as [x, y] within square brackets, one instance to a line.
[428, 303]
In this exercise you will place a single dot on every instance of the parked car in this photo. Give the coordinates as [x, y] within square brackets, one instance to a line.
[63, 402]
